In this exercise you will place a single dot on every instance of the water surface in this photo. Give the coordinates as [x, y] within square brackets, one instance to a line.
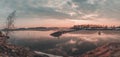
[73, 43]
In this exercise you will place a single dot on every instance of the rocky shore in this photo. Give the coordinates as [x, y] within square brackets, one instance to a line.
[10, 50]
[107, 50]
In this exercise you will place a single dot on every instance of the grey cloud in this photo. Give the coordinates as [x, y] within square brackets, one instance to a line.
[60, 9]
[104, 8]
[110, 9]
[80, 1]
[31, 9]
[41, 12]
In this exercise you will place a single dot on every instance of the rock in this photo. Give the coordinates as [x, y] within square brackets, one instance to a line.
[107, 50]
[10, 50]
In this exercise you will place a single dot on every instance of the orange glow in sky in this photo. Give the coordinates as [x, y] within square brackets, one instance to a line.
[44, 23]
[36, 22]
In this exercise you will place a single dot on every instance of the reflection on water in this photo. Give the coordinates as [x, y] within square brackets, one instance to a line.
[69, 44]
[94, 37]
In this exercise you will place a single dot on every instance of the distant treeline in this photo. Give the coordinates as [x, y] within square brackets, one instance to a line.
[32, 28]
[95, 27]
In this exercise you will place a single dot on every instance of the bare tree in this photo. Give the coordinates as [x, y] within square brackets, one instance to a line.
[10, 22]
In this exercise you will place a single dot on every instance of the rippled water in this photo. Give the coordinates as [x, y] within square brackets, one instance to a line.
[69, 44]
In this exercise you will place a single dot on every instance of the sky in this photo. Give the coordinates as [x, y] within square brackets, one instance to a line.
[60, 13]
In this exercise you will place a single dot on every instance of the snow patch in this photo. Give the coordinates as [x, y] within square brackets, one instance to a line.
[50, 55]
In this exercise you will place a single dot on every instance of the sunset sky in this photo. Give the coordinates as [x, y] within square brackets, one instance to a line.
[33, 13]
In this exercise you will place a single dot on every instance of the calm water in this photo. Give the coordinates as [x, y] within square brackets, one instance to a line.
[73, 43]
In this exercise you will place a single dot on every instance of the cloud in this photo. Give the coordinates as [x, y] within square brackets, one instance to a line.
[89, 16]
[61, 9]
[41, 8]
[96, 1]
[31, 9]
[91, 1]
[64, 6]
